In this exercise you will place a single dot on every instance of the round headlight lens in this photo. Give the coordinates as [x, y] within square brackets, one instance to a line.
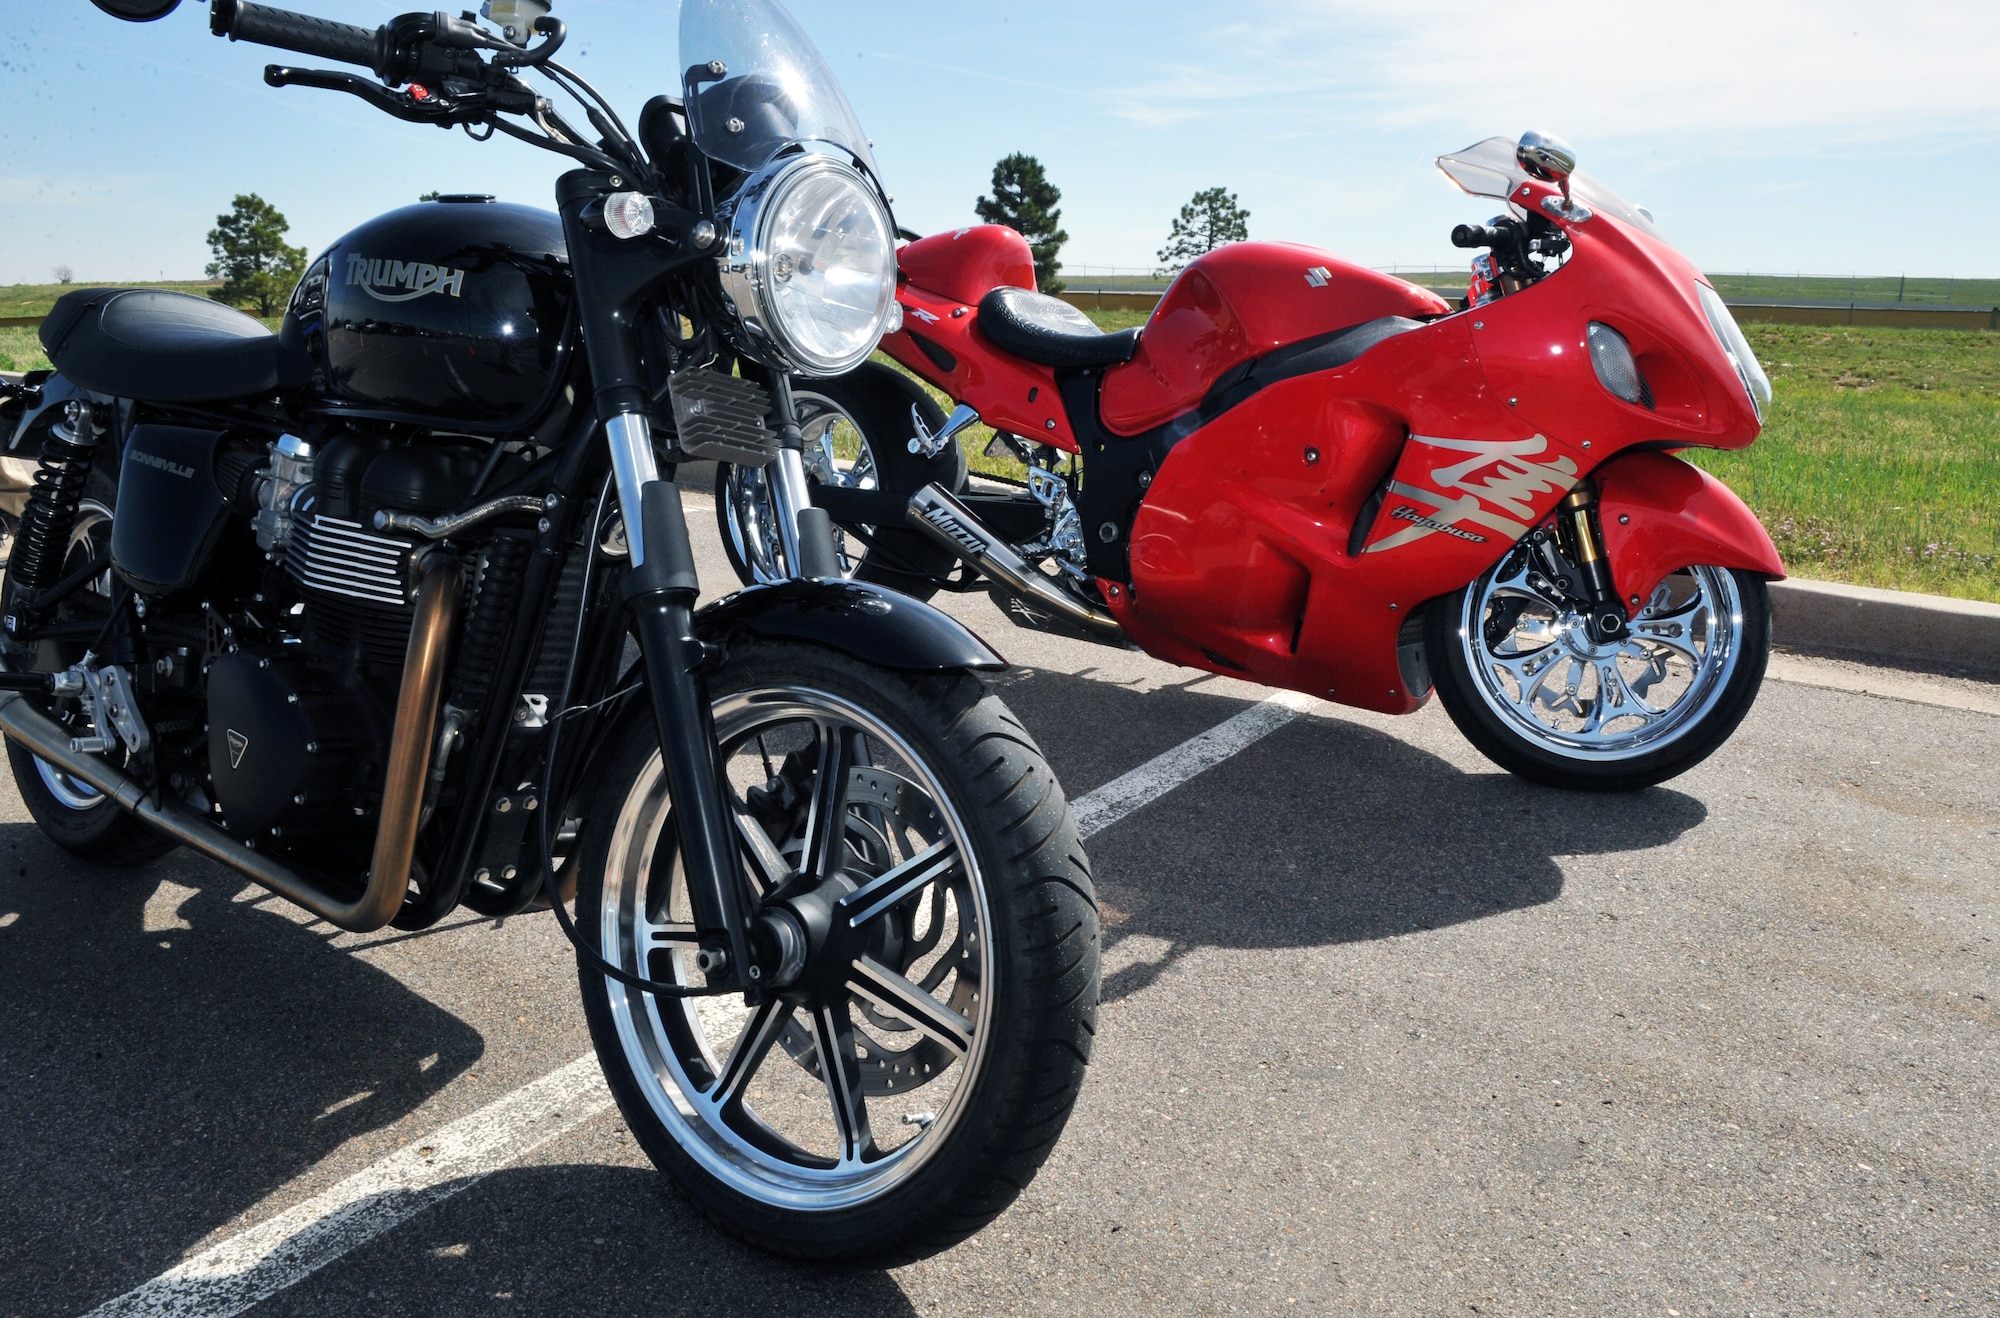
[811, 265]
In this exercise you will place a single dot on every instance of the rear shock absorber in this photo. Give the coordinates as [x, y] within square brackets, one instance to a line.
[42, 543]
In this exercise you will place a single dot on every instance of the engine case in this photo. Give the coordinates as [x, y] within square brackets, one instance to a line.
[455, 312]
[285, 754]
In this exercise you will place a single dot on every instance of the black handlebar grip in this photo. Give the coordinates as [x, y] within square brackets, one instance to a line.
[1473, 235]
[240, 20]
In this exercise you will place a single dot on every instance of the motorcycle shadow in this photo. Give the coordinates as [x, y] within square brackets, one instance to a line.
[1324, 832]
[570, 1239]
[168, 1059]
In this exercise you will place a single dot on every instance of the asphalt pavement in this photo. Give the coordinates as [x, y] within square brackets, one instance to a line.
[1384, 1031]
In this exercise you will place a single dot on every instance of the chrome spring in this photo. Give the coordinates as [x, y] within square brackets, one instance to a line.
[491, 617]
[42, 543]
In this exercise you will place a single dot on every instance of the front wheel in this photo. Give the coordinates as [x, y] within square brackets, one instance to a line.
[1523, 678]
[930, 1033]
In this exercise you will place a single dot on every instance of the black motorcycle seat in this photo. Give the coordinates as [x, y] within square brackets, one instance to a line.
[1049, 331]
[1322, 352]
[164, 347]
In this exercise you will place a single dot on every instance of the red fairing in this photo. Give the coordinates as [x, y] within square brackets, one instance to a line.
[1661, 514]
[966, 264]
[1238, 303]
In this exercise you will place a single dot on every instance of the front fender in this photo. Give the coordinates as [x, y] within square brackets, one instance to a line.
[1661, 514]
[868, 622]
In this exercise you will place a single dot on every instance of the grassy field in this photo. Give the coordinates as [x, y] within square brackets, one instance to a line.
[36, 299]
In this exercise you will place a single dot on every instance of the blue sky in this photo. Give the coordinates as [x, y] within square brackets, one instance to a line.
[1827, 137]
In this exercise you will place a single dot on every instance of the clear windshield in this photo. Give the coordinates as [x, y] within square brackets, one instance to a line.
[1489, 169]
[777, 89]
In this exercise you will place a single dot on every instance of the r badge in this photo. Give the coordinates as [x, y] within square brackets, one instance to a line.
[238, 744]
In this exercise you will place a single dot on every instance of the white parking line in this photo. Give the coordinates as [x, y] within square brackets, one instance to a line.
[254, 1265]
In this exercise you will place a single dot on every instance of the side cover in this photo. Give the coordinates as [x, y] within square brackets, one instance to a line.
[170, 509]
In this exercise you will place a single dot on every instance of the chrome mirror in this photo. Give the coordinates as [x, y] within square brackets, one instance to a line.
[1548, 158]
[137, 11]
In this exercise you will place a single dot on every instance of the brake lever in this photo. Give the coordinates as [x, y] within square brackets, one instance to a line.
[433, 107]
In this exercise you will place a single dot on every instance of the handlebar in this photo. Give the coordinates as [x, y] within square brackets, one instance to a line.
[1480, 235]
[240, 20]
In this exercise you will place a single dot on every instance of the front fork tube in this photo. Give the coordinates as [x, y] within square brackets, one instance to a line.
[805, 532]
[660, 594]
[1578, 517]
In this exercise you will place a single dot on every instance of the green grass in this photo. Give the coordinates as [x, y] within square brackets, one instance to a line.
[1879, 288]
[20, 350]
[1880, 462]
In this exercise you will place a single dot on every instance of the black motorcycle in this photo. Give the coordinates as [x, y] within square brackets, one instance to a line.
[348, 608]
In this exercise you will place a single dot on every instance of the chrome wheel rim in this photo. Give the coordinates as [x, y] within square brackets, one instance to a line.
[89, 536]
[836, 453]
[1536, 666]
[748, 1093]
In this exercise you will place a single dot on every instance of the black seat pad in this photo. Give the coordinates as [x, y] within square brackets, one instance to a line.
[164, 347]
[1322, 352]
[1049, 331]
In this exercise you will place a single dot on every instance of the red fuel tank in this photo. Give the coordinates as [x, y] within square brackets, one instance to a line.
[1236, 304]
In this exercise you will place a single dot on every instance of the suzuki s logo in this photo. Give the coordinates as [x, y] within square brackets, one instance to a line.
[161, 464]
[239, 745]
[1319, 276]
[402, 281]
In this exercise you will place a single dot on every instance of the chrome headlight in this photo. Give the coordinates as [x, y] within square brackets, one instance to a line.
[811, 264]
[1755, 382]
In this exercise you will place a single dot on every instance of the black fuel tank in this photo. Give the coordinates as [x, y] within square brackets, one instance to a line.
[447, 312]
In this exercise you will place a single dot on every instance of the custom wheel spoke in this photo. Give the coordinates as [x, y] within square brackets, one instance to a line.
[899, 997]
[840, 1069]
[765, 865]
[898, 885]
[752, 1047]
[673, 937]
[840, 750]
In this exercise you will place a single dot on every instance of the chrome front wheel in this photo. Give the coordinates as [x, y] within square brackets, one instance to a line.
[1525, 678]
[868, 1107]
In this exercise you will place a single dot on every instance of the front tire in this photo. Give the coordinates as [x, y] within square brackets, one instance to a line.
[909, 1081]
[1525, 682]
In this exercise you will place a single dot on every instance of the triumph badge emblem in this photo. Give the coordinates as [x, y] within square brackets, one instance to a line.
[238, 745]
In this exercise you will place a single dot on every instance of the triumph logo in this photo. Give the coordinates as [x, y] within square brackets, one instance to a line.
[239, 745]
[402, 281]
[161, 464]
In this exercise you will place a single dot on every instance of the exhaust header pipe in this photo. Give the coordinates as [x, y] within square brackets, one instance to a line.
[409, 757]
[955, 528]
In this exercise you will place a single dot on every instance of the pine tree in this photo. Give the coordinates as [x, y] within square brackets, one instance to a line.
[1025, 201]
[1211, 220]
[255, 265]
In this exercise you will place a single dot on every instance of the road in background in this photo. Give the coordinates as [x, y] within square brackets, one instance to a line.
[1384, 1030]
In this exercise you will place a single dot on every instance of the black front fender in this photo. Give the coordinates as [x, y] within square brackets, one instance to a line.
[870, 623]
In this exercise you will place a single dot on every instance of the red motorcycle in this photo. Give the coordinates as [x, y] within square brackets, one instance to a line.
[1309, 475]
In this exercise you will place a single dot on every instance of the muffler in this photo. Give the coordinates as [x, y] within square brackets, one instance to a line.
[402, 801]
[950, 523]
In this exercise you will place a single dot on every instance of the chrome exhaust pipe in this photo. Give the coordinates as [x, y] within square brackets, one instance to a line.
[954, 527]
[409, 756]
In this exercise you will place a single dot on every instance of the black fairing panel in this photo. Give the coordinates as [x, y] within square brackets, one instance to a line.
[454, 312]
[170, 510]
[872, 624]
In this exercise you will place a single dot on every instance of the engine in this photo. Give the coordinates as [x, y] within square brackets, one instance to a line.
[299, 714]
